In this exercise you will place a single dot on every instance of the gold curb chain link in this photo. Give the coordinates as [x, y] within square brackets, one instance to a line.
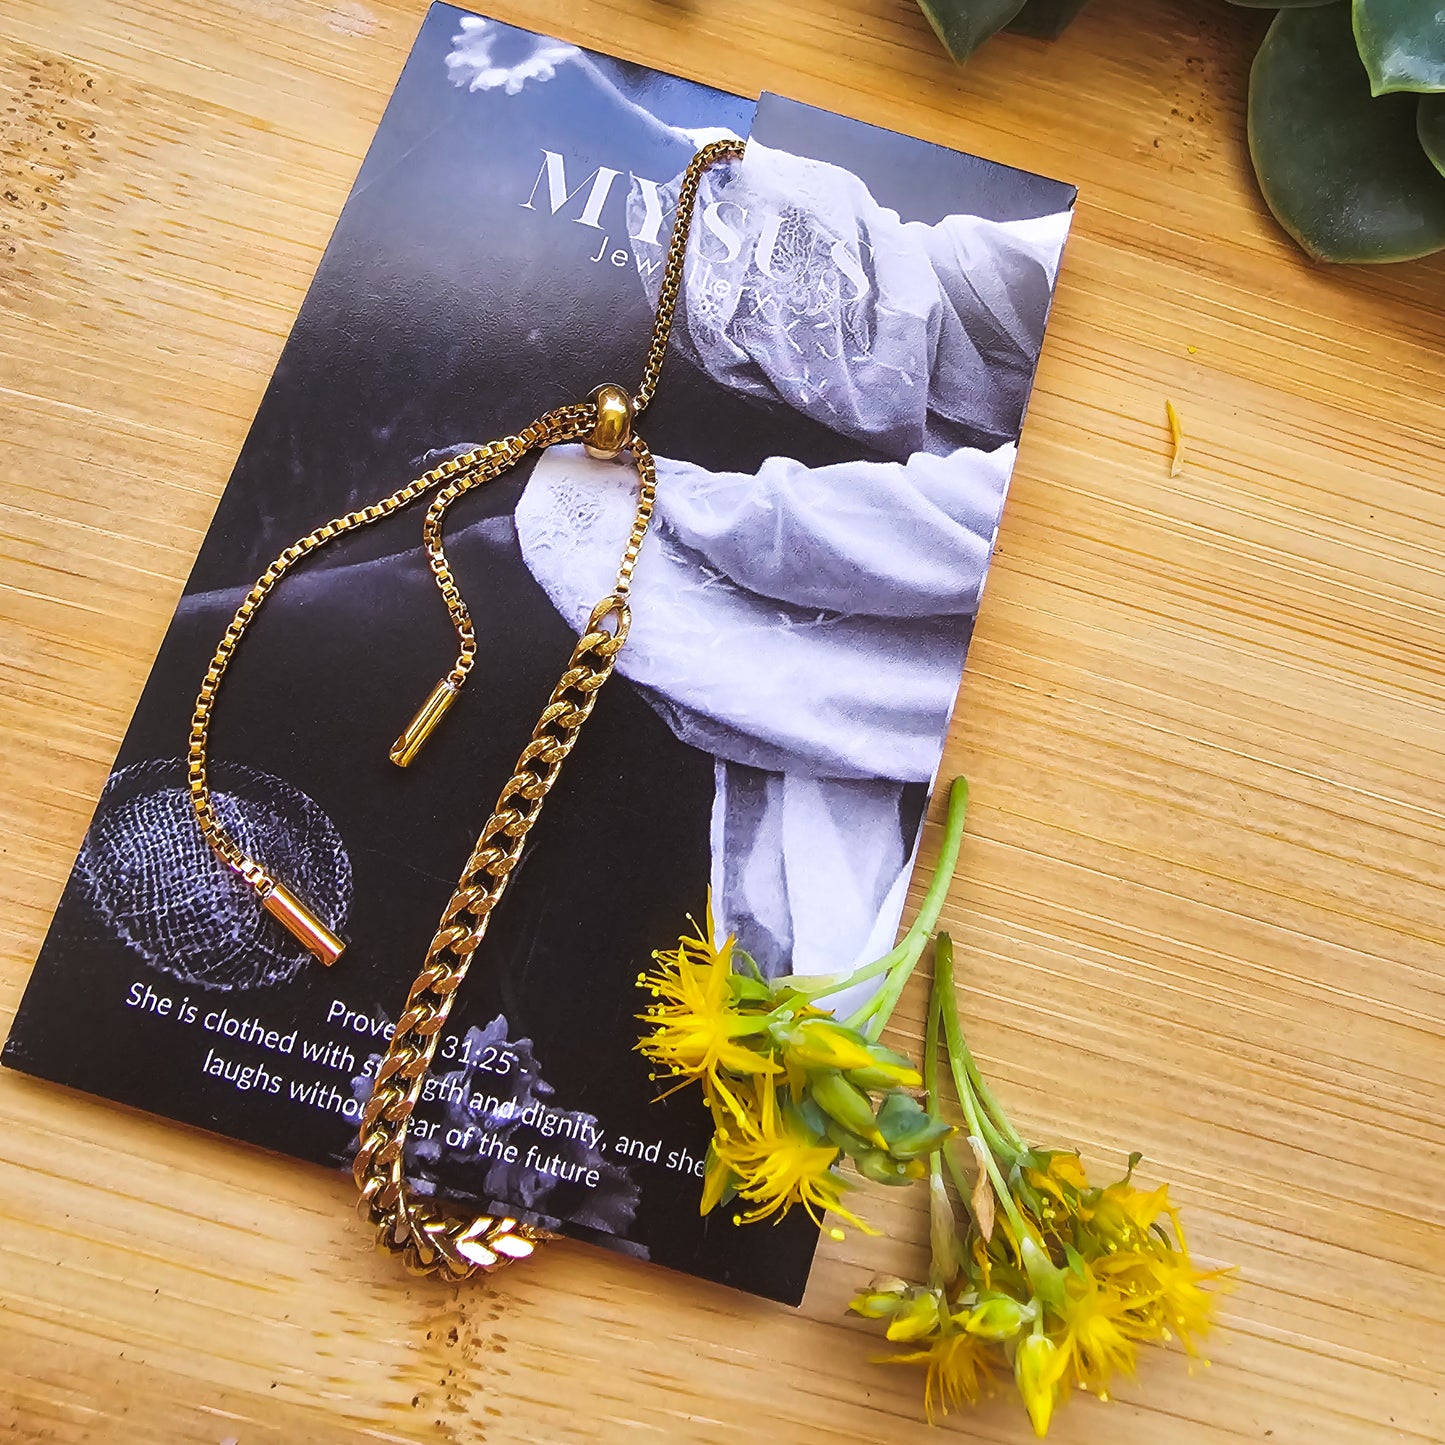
[430, 1236]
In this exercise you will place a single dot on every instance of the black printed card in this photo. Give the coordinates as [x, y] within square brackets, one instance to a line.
[834, 431]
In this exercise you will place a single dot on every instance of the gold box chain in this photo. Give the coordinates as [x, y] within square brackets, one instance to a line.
[425, 1232]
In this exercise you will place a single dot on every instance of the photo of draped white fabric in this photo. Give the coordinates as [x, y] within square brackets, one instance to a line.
[807, 625]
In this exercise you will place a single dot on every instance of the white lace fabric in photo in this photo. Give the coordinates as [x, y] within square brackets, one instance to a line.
[803, 290]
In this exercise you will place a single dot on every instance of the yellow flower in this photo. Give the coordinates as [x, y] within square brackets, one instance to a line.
[1123, 1216]
[1187, 1309]
[1065, 1172]
[1038, 1366]
[959, 1371]
[1100, 1333]
[773, 1159]
[1162, 1289]
[696, 1026]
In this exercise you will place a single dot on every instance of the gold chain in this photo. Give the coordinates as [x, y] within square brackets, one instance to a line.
[427, 1234]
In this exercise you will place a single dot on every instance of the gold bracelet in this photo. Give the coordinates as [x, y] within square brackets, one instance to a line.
[428, 1235]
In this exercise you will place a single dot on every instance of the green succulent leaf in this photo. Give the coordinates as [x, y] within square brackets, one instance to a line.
[1344, 173]
[1431, 126]
[749, 990]
[745, 963]
[963, 25]
[1045, 19]
[1402, 43]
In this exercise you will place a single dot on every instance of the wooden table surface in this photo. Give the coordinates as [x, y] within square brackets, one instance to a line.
[1200, 909]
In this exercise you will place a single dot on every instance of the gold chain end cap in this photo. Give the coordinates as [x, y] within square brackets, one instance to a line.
[423, 725]
[302, 924]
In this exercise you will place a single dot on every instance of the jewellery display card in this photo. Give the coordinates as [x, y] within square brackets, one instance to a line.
[834, 433]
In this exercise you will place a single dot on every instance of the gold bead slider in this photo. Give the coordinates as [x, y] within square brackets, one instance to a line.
[614, 422]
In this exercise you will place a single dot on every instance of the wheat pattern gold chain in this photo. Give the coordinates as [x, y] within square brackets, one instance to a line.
[429, 1235]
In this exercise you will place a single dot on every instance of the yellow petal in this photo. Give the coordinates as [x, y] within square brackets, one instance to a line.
[1176, 433]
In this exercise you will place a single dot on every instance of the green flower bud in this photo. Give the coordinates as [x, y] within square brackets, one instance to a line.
[998, 1317]
[882, 1168]
[846, 1139]
[1037, 1366]
[1044, 1275]
[917, 1319]
[846, 1103]
[888, 1070]
[882, 1299]
[819, 1043]
[875, 1081]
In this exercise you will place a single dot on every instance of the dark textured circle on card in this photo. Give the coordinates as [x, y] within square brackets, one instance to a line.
[154, 884]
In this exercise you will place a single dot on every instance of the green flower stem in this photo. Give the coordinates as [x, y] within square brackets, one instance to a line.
[991, 1137]
[898, 964]
[953, 822]
[873, 1017]
[944, 1155]
[1012, 1142]
[933, 1104]
[999, 1146]
[875, 1020]
[992, 1108]
[933, 1098]
[990, 1162]
[947, 996]
[820, 985]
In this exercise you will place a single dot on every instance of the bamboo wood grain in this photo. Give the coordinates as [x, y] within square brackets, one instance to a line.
[1200, 911]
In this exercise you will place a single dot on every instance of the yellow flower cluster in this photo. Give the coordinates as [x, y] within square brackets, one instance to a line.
[1063, 1303]
[1051, 1280]
[790, 1089]
[1047, 1280]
